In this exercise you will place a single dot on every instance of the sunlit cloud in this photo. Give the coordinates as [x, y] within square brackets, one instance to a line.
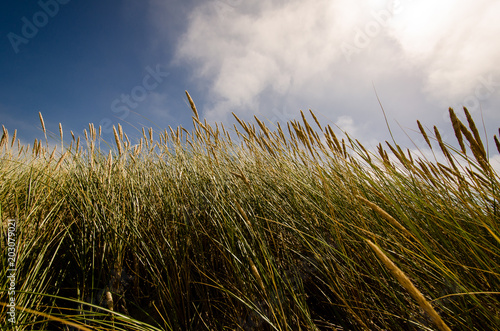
[421, 56]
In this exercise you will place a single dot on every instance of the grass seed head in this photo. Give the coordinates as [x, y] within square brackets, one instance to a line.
[456, 127]
[256, 274]
[474, 130]
[61, 159]
[5, 136]
[315, 119]
[424, 134]
[385, 215]
[408, 285]
[109, 300]
[120, 131]
[42, 122]
[13, 138]
[193, 106]
[117, 140]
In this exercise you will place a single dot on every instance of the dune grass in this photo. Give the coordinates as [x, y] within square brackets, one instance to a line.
[290, 228]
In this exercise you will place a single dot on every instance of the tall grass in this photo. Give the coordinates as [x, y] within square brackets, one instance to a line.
[291, 228]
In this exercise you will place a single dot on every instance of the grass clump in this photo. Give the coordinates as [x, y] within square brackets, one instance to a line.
[285, 229]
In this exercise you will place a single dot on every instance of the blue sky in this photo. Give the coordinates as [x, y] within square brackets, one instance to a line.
[129, 62]
[82, 59]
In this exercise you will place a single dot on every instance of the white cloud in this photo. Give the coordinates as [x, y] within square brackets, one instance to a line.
[422, 57]
[346, 124]
[244, 53]
[452, 40]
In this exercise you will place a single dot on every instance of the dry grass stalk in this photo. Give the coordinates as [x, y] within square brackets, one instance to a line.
[440, 141]
[77, 145]
[117, 140]
[13, 138]
[424, 134]
[61, 159]
[268, 147]
[50, 317]
[329, 142]
[402, 153]
[408, 286]
[383, 155]
[410, 157]
[255, 273]
[400, 156]
[263, 127]
[477, 151]
[310, 148]
[281, 134]
[127, 145]
[109, 300]
[242, 212]
[92, 131]
[474, 130]
[497, 143]
[309, 130]
[385, 215]
[315, 119]
[456, 127]
[21, 148]
[435, 171]
[120, 131]
[92, 148]
[334, 137]
[378, 193]
[473, 143]
[364, 150]
[193, 106]
[443, 147]
[52, 154]
[5, 136]
[35, 146]
[43, 127]
[446, 171]
[61, 136]
[39, 150]
[298, 132]
[318, 140]
[110, 164]
[42, 122]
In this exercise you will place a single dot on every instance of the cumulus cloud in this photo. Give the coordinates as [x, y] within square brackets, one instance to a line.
[421, 56]
[246, 51]
[452, 40]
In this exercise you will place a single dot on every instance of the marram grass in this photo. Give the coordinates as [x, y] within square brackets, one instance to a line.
[251, 228]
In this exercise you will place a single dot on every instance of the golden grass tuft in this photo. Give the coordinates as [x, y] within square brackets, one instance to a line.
[271, 225]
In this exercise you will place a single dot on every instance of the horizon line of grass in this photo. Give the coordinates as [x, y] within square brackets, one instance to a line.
[291, 228]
